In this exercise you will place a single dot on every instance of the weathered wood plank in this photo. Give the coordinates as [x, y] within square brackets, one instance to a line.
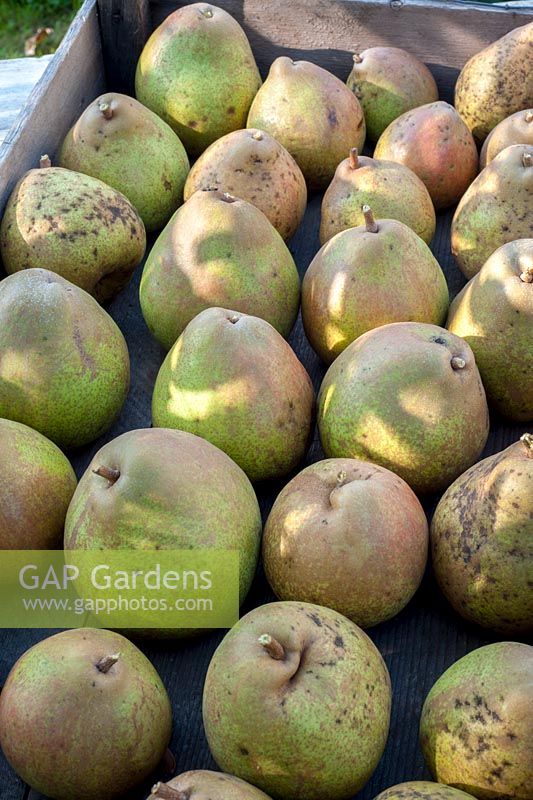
[18, 76]
[73, 78]
[125, 28]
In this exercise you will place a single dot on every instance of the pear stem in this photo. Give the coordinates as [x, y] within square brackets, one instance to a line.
[458, 363]
[357, 58]
[258, 136]
[45, 162]
[166, 792]
[370, 222]
[110, 474]
[105, 110]
[341, 477]
[353, 158]
[527, 160]
[106, 662]
[527, 439]
[227, 198]
[272, 646]
[529, 116]
[527, 275]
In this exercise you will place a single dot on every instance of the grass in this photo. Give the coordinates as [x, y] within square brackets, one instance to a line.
[20, 19]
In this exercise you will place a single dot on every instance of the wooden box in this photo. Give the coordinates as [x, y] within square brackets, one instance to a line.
[99, 53]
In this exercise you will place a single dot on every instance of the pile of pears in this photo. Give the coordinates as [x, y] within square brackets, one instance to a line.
[193, 191]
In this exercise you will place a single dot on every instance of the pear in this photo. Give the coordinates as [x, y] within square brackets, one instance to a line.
[202, 784]
[481, 541]
[495, 210]
[76, 226]
[348, 535]
[368, 276]
[250, 164]
[127, 146]
[475, 730]
[218, 251]
[232, 379]
[187, 493]
[389, 81]
[391, 190]
[516, 129]
[36, 485]
[311, 113]
[297, 700]
[84, 715]
[496, 82]
[64, 364]
[435, 143]
[197, 72]
[494, 314]
[422, 790]
[407, 396]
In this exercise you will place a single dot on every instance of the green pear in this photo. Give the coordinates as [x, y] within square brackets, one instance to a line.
[84, 715]
[496, 82]
[391, 190]
[436, 144]
[198, 73]
[422, 790]
[187, 495]
[368, 276]
[481, 541]
[232, 379]
[495, 210]
[297, 700]
[348, 535]
[64, 364]
[516, 129]
[76, 226]
[36, 485]
[218, 251]
[127, 146]
[475, 730]
[388, 82]
[250, 164]
[202, 784]
[407, 396]
[494, 314]
[312, 114]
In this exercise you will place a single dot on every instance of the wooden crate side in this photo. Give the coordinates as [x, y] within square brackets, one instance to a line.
[125, 28]
[443, 34]
[74, 77]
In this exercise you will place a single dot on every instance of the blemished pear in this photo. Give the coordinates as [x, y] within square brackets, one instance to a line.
[496, 82]
[197, 72]
[203, 784]
[480, 706]
[369, 276]
[36, 486]
[435, 143]
[74, 225]
[124, 144]
[312, 114]
[252, 165]
[64, 364]
[495, 210]
[407, 396]
[389, 81]
[516, 129]
[422, 790]
[392, 191]
[347, 535]
[218, 250]
[494, 314]
[188, 493]
[232, 379]
[483, 526]
[84, 715]
[324, 689]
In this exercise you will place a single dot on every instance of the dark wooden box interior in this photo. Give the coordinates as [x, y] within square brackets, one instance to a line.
[100, 53]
